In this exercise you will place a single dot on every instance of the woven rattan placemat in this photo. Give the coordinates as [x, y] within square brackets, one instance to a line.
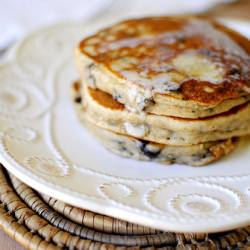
[39, 222]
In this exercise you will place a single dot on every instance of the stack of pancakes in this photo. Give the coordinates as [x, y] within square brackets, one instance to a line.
[167, 89]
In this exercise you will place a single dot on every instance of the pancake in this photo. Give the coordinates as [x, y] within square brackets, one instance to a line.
[179, 66]
[102, 110]
[131, 147]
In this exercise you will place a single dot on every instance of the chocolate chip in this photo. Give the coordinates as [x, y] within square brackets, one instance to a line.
[234, 71]
[181, 38]
[123, 148]
[148, 101]
[172, 159]
[147, 152]
[178, 90]
[210, 110]
[117, 97]
[172, 87]
[78, 99]
[90, 66]
[199, 157]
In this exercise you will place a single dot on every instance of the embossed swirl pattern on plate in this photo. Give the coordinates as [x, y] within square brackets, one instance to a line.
[20, 134]
[46, 166]
[12, 98]
[193, 199]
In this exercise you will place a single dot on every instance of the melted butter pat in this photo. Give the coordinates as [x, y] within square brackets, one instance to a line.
[199, 67]
[160, 82]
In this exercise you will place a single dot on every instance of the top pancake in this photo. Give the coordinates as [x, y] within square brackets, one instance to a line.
[187, 58]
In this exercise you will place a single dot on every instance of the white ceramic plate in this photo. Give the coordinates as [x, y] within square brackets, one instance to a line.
[43, 144]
